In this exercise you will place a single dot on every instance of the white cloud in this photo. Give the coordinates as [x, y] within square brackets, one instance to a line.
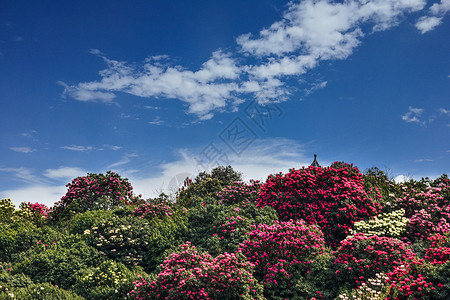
[64, 173]
[78, 148]
[413, 115]
[315, 87]
[22, 149]
[311, 31]
[435, 15]
[426, 24]
[423, 160]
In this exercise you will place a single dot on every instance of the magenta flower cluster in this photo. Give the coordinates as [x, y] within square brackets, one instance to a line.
[239, 192]
[192, 274]
[93, 187]
[38, 209]
[333, 198]
[361, 257]
[152, 210]
[280, 249]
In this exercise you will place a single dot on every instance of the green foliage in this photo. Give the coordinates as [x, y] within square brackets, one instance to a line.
[58, 264]
[41, 291]
[391, 224]
[205, 186]
[109, 280]
[21, 236]
[87, 220]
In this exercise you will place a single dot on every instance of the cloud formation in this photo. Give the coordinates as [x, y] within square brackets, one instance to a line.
[435, 15]
[22, 149]
[310, 31]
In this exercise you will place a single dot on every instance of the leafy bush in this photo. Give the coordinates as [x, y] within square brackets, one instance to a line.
[280, 250]
[152, 210]
[333, 198]
[391, 224]
[192, 274]
[375, 289]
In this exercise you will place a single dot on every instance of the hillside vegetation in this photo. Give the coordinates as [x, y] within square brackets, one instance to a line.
[312, 233]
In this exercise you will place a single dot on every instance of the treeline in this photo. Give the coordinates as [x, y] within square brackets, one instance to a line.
[312, 233]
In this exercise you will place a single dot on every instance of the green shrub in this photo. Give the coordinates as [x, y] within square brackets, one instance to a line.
[58, 264]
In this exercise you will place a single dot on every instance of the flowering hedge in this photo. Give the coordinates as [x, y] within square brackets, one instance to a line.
[192, 274]
[280, 250]
[333, 198]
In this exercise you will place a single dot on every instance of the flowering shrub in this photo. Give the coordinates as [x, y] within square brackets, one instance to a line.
[95, 191]
[333, 198]
[391, 224]
[239, 192]
[427, 208]
[191, 274]
[219, 228]
[279, 250]
[407, 281]
[374, 289]
[109, 280]
[360, 257]
[439, 250]
[122, 239]
[152, 210]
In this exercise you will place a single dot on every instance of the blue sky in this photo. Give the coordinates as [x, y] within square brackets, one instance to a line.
[159, 90]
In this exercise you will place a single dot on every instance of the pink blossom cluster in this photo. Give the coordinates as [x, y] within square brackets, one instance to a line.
[191, 274]
[361, 257]
[39, 209]
[152, 210]
[280, 249]
[428, 210]
[407, 282]
[332, 197]
[239, 192]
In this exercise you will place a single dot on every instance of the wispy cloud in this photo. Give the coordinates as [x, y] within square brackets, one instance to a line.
[413, 115]
[444, 111]
[78, 148]
[23, 174]
[22, 149]
[435, 15]
[311, 31]
[423, 160]
[125, 160]
[156, 121]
